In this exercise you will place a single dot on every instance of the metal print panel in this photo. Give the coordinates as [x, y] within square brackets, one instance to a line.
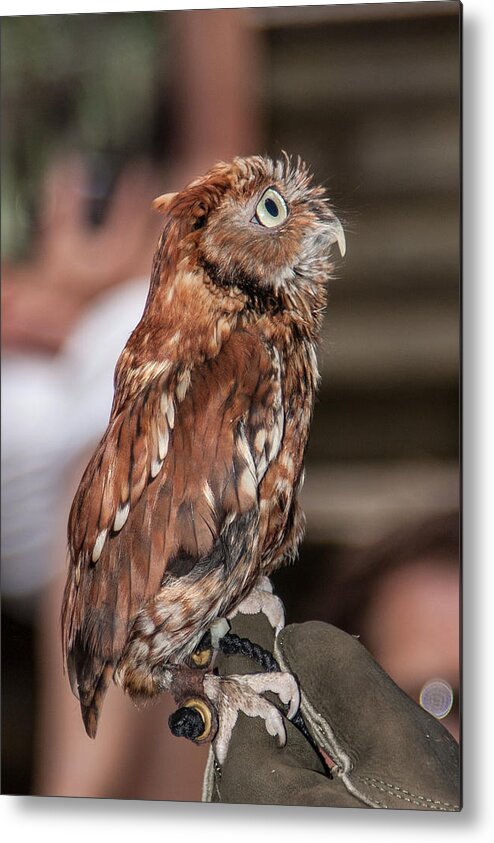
[230, 253]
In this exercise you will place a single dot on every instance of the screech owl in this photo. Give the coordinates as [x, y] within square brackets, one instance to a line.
[190, 500]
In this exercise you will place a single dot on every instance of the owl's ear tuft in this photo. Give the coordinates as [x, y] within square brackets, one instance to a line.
[163, 202]
[199, 213]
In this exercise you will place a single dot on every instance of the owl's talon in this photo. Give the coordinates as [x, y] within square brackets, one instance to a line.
[235, 693]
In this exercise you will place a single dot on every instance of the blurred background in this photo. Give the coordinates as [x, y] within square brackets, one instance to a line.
[101, 113]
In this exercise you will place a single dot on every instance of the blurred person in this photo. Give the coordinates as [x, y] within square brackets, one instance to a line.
[57, 310]
[411, 622]
[401, 597]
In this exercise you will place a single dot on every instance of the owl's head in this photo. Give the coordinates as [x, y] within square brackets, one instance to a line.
[257, 226]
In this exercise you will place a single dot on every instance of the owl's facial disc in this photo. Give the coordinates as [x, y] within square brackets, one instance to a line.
[271, 210]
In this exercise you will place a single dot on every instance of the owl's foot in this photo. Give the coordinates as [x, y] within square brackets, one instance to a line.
[209, 704]
[232, 694]
[262, 599]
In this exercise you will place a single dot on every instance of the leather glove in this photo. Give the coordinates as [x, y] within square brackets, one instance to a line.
[387, 751]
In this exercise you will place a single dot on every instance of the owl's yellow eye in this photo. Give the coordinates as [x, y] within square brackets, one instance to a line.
[271, 209]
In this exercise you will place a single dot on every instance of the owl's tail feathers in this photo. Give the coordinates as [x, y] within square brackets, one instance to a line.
[91, 708]
[89, 679]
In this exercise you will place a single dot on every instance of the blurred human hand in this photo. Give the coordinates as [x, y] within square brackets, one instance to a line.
[72, 261]
[383, 749]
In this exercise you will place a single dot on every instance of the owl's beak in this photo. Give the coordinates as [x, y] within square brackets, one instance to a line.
[163, 202]
[338, 235]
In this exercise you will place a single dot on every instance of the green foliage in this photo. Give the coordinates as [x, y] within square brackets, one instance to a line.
[84, 82]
